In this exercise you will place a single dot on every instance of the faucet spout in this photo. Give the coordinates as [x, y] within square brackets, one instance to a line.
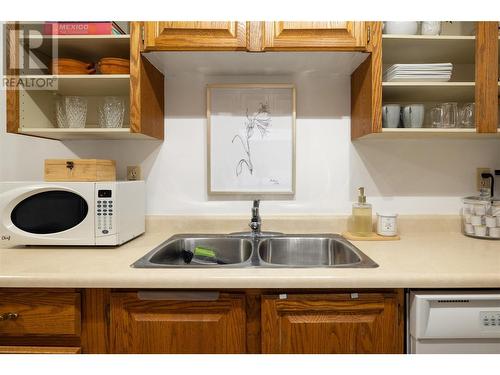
[256, 222]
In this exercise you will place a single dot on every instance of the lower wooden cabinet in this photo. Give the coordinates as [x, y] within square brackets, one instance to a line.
[49, 321]
[160, 323]
[332, 323]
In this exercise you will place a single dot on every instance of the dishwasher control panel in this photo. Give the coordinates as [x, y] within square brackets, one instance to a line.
[489, 319]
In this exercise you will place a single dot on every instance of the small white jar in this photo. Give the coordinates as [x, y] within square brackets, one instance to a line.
[495, 232]
[469, 228]
[480, 230]
[387, 224]
[491, 221]
[480, 209]
[476, 220]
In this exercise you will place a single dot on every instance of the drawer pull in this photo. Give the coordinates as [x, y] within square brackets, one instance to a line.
[9, 316]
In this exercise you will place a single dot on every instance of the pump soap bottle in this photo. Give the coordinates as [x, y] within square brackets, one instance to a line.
[361, 215]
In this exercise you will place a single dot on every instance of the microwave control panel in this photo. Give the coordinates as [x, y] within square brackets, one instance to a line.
[105, 210]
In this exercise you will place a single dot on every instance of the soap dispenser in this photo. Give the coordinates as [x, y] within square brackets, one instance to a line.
[361, 215]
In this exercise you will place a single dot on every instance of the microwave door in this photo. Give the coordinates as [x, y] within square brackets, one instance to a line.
[52, 215]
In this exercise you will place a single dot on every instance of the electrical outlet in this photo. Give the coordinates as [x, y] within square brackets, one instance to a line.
[480, 181]
[133, 173]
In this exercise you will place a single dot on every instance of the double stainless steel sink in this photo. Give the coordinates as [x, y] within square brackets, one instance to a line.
[267, 250]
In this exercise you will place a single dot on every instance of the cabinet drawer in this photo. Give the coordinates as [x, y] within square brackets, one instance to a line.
[39, 350]
[39, 313]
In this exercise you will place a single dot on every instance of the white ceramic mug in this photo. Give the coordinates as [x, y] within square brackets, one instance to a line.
[393, 27]
[391, 114]
[413, 116]
[431, 28]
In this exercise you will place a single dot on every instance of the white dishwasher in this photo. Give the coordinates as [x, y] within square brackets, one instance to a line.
[454, 322]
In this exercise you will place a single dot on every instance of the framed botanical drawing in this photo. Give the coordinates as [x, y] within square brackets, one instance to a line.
[251, 139]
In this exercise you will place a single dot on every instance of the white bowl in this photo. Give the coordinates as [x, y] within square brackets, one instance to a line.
[408, 28]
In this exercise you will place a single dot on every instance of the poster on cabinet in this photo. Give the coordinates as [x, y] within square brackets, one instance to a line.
[251, 138]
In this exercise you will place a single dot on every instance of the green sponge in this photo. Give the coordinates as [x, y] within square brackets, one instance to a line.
[205, 252]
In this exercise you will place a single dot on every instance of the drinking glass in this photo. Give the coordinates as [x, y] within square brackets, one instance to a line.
[436, 116]
[450, 114]
[71, 111]
[445, 115]
[467, 115]
[111, 112]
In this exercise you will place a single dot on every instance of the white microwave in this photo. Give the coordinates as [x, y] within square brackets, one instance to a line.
[71, 213]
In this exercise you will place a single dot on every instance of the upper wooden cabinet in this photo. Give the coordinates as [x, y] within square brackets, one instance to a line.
[176, 35]
[255, 36]
[331, 35]
[338, 323]
[31, 110]
[472, 48]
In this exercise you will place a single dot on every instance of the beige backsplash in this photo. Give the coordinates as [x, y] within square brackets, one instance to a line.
[293, 223]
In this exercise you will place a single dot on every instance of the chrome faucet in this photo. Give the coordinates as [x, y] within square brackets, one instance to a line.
[256, 223]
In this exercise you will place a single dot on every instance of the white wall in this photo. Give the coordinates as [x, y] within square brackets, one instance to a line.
[406, 176]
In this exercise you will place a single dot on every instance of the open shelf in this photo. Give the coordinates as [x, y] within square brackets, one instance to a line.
[428, 91]
[84, 133]
[416, 49]
[83, 84]
[84, 47]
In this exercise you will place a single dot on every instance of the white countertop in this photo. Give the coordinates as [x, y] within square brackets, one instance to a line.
[432, 253]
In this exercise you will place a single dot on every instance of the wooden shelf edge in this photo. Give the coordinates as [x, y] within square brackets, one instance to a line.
[428, 84]
[430, 133]
[78, 76]
[429, 37]
[82, 37]
[85, 133]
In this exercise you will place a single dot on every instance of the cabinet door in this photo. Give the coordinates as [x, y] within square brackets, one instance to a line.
[176, 35]
[332, 35]
[158, 324]
[332, 324]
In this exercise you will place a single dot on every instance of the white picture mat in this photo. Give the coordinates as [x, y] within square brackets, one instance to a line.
[272, 155]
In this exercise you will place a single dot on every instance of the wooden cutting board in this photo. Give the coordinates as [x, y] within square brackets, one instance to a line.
[373, 237]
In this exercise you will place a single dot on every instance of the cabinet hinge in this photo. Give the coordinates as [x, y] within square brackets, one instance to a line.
[368, 36]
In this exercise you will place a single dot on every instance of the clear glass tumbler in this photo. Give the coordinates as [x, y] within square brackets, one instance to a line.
[71, 111]
[111, 112]
[467, 115]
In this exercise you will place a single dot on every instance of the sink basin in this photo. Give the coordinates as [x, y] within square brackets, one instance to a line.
[266, 251]
[229, 249]
[312, 251]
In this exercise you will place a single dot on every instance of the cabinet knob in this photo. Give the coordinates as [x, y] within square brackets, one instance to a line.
[8, 316]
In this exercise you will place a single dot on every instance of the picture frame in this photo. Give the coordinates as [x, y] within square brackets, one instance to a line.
[251, 139]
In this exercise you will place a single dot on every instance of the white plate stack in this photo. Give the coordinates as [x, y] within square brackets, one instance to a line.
[418, 72]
